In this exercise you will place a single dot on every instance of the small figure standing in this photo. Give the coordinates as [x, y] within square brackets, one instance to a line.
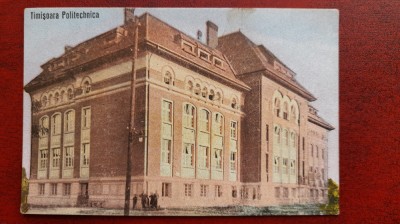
[134, 200]
[151, 200]
[147, 200]
[156, 200]
[143, 198]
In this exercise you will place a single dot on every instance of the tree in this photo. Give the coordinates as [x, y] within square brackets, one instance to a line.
[332, 208]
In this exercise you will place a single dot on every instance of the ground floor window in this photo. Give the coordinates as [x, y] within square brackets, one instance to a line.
[41, 189]
[285, 192]
[203, 190]
[67, 189]
[53, 189]
[188, 190]
[218, 191]
[43, 158]
[166, 190]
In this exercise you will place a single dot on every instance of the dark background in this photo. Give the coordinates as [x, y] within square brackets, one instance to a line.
[369, 85]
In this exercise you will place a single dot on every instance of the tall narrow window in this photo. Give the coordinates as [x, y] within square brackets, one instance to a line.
[44, 127]
[233, 130]
[203, 156]
[166, 151]
[285, 137]
[56, 124]
[189, 112]
[188, 155]
[233, 146]
[166, 190]
[204, 121]
[69, 123]
[67, 189]
[53, 189]
[218, 158]
[277, 106]
[55, 158]
[277, 134]
[41, 189]
[284, 165]
[293, 167]
[69, 157]
[70, 93]
[233, 161]
[85, 155]
[266, 133]
[218, 124]
[276, 164]
[188, 190]
[43, 159]
[86, 113]
[285, 110]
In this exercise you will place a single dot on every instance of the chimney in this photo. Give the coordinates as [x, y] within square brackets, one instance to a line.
[212, 34]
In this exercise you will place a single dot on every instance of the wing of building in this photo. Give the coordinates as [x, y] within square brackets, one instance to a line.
[216, 124]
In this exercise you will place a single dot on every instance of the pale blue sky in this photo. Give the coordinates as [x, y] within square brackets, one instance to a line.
[306, 40]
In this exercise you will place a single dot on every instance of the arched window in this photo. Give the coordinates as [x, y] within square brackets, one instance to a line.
[285, 137]
[234, 103]
[277, 134]
[197, 89]
[44, 101]
[62, 96]
[277, 106]
[168, 78]
[293, 113]
[69, 122]
[204, 92]
[189, 114]
[312, 150]
[86, 87]
[218, 97]
[44, 126]
[56, 124]
[189, 86]
[211, 95]
[51, 100]
[56, 98]
[70, 93]
[285, 110]
[204, 120]
[218, 124]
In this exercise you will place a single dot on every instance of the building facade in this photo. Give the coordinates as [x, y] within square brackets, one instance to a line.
[216, 124]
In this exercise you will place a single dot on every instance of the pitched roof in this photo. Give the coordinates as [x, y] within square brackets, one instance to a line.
[247, 57]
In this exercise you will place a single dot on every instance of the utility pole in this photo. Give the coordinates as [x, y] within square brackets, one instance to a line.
[132, 131]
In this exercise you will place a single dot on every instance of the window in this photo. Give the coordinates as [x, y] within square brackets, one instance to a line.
[43, 159]
[266, 163]
[204, 92]
[86, 87]
[234, 192]
[233, 161]
[211, 95]
[234, 103]
[44, 101]
[204, 120]
[197, 89]
[166, 111]
[203, 190]
[166, 151]
[62, 96]
[85, 154]
[188, 190]
[293, 139]
[317, 151]
[56, 98]
[51, 100]
[218, 158]
[168, 78]
[55, 156]
[217, 62]
[292, 167]
[187, 47]
[53, 189]
[203, 55]
[203, 156]
[189, 86]
[189, 112]
[166, 190]
[67, 189]
[188, 152]
[284, 165]
[277, 105]
[70, 93]
[69, 157]
[277, 192]
[276, 164]
[44, 126]
[218, 124]
[285, 192]
[41, 189]
[233, 129]
[69, 122]
[267, 133]
[285, 137]
[277, 134]
[86, 113]
[285, 110]
[293, 113]
[56, 124]
[218, 191]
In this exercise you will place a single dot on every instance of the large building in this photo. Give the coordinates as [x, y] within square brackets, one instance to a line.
[215, 124]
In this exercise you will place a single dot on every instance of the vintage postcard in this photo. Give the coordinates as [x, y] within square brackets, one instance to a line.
[187, 112]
